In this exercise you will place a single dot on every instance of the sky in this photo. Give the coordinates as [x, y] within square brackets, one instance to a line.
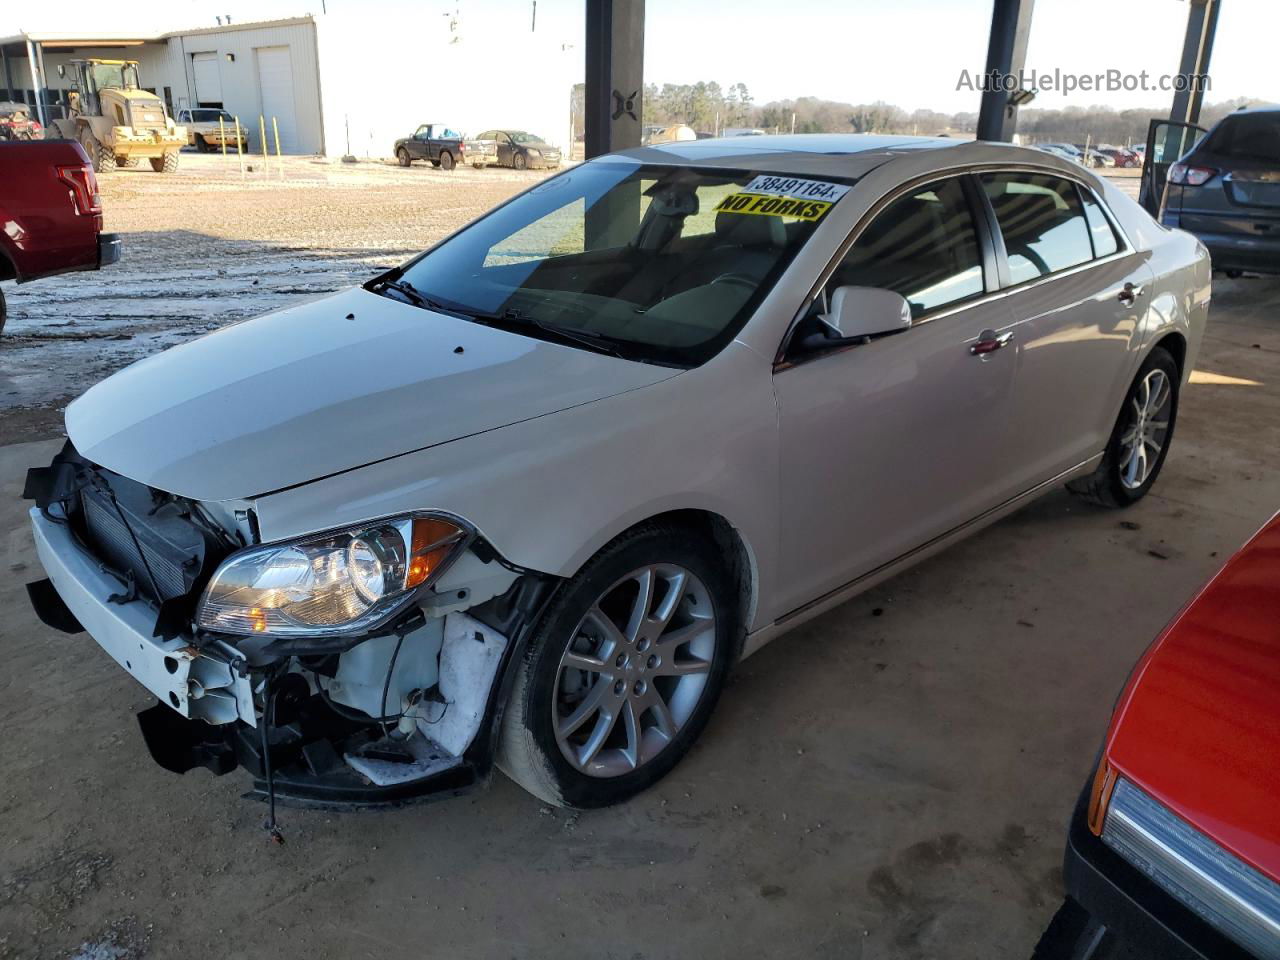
[907, 52]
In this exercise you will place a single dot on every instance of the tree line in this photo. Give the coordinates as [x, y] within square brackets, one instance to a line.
[709, 108]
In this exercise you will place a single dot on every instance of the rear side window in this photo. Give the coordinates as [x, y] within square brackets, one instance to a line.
[1104, 237]
[1042, 222]
[923, 246]
[1252, 136]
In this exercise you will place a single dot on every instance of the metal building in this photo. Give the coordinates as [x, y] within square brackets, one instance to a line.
[336, 83]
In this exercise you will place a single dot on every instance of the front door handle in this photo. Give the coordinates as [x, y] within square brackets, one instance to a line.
[989, 342]
[1129, 294]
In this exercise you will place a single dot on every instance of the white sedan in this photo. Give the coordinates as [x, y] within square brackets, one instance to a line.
[528, 497]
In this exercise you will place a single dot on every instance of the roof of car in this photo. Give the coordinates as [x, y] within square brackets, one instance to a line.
[830, 154]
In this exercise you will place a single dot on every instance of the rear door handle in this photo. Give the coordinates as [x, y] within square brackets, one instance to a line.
[989, 342]
[1130, 293]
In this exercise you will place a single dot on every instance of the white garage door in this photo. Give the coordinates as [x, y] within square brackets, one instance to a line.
[275, 81]
[208, 81]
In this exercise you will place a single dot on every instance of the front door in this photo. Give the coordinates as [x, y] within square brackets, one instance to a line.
[1167, 140]
[418, 145]
[889, 444]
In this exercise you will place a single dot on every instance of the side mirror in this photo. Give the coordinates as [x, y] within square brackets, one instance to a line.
[865, 312]
[62, 70]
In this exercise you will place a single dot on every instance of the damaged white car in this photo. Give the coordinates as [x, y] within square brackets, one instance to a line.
[528, 497]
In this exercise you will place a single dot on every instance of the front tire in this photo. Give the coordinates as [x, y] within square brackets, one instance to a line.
[623, 671]
[403, 158]
[166, 164]
[101, 159]
[1140, 439]
[519, 161]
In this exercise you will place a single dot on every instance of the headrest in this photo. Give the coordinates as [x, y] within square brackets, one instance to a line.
[750, 230]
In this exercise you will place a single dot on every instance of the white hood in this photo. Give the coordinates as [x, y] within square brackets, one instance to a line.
[324, 387]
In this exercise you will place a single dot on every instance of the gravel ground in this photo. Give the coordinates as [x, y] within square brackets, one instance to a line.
[206, 247]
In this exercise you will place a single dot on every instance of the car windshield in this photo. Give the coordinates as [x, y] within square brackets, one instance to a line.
[519, 136]
[655, 263]
[210, 116]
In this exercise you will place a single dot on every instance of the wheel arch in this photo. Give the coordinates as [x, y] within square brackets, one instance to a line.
[8, 271]
[1176, 344]
[726, 537]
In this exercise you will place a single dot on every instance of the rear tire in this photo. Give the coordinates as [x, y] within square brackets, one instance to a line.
[446, 160]
[166, 164]
[403, 158]
[4, 311]
[1118, 481]
[664, 666]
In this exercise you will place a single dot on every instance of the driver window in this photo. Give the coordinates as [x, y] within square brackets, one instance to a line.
[923, 246]
[423, 132]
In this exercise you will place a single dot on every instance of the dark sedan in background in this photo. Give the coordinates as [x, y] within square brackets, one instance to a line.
[1226, 190]
[523, 151]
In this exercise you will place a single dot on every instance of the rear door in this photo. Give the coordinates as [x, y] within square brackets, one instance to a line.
[1167, 140]
[891, 443]
[1076, 291]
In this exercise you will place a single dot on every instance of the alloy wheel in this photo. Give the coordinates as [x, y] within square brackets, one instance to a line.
[1144, 436]
[634, 670]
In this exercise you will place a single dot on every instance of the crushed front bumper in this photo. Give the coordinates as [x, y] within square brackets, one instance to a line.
[209, 684]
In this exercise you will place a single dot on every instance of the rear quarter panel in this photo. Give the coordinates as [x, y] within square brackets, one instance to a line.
[1181, 279]
[40, 231]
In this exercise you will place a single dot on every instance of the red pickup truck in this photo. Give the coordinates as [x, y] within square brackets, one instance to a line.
[51, 212]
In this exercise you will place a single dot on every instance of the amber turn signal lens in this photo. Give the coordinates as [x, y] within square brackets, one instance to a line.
[1104, 782]
[433, 540]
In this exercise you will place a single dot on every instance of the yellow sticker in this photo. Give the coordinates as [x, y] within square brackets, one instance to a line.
[773, 206]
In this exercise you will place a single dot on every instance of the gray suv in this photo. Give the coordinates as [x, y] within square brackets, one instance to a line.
[1226, 191]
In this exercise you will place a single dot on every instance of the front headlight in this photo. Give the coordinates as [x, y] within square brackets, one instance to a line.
[335, 583]
[1226, 892]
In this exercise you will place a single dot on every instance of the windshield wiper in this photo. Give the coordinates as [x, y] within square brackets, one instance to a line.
[598, 342]
[411, 293]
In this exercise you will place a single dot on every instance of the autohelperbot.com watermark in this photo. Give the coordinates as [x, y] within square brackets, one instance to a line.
[1067, 82]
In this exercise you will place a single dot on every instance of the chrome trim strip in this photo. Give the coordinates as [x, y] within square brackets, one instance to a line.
[954, 531]
[1226, 892]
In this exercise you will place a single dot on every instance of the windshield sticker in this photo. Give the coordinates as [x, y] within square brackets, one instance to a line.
[773, 206]
[792, 187]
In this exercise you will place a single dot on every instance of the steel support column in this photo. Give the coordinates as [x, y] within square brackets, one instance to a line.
[614, 75]
[37, 84]
[1202, 23]
[1006, 55]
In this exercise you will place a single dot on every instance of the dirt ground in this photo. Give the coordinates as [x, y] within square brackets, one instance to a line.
[207, 247]
[890, 781]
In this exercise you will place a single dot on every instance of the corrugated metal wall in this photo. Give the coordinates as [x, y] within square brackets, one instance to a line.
[169, 64]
